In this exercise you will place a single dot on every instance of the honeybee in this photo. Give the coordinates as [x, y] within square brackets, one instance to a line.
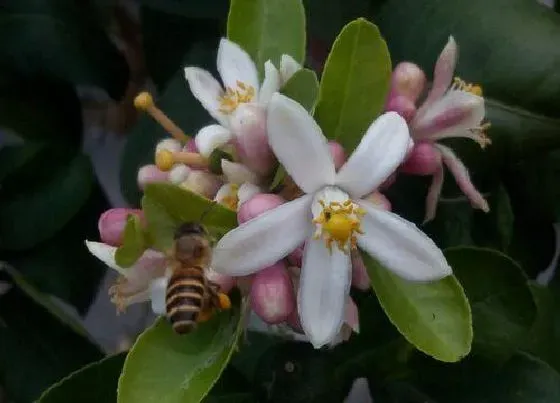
[190, 297]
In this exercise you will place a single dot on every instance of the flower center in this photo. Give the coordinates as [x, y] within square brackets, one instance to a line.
[232, 97]
[339, 222]
[461, 85]
[231, 200]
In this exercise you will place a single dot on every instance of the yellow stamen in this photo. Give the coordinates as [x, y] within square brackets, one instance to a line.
[231, 200]
[339, 222]
[459, 84]
[480, 136]
[233, 97]
[145, 102]
[165, 159]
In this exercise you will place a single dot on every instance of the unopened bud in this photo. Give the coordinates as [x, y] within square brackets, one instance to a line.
[112, 222]
[337, 153]
[150, 174]
[408, 80]
[272, 294]
[424, 159]
[202, 183]
[171, 145]
[403, 106]
[179, 173]
[257, 205]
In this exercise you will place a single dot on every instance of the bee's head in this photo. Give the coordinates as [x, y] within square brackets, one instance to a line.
[192, 244]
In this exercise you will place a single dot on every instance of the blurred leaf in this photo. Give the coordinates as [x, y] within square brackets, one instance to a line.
[251, 348]
[502, 304]
[36, 214]
[14, 157]
[99, 379]
[178, 103]
[354, 84]
[303, 87]
[190, 364]
[39, 344]
[522, 94]
[62, 265]
[232, 387]
[160, 22]
[209, 9]
[164, 202]
[134, 242]
[278, 178]
[435, 317]
[267, 29]
[79, 50]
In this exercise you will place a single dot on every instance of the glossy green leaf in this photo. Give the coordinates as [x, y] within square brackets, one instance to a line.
[435, 317]
[502, 305]
[303, 87]
[134, 242]
[165, 367]
[34, 215]
[519, 76]
[267, 29]
[79, 49]
[354, 84]
[99, 379]
[166, 206]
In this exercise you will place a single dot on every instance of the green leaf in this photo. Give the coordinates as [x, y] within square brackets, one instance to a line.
[521, 94]
[99, 379]
[166, 206]
[79, 49]
[165, 367]
[40, 344]
[232, 387]
[502, 305]
[267, 29]
[134, 242]
[303, 87]
[278, 178]
[354, 84]
[34, 215]
[435, 317]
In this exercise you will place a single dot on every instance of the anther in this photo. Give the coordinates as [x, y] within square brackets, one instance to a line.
[165, 159]
[145, 102]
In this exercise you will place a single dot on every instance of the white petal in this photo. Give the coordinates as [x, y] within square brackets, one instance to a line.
[169, 145]
[264, 240]
[288, 67]
[324, 286]
[381, 151]
[158, 290]
[223, 192]
[328, 194]
[400, 246]
[234, 64]
[211, 137]
[105, 253]
[299, 144]
[179, 173]
[207, 90]
[271, 82]
[238, 173]
[247, 191]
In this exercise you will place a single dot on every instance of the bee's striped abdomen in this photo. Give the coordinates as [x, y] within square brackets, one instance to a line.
[184, 298]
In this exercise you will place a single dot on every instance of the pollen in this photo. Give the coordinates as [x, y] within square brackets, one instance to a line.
[479, 135]
[225, 302]
[233, 97]
[459, 84]
[339, 222]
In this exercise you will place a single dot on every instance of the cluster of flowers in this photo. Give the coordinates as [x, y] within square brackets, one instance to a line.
[295, 251]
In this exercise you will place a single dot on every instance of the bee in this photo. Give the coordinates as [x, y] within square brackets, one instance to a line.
[190, 297]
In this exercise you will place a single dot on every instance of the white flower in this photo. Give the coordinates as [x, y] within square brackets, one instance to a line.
[331, 217]
[241, 81]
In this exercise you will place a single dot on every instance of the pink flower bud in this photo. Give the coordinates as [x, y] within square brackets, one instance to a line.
[112, 222]
[257, 205]
[337, 153]
[203, 183]
[191, 146]
[424, 159]
[295, 258]
[150, 174]
[379, 199]
[360, 278]
[272, 294]
[408, 80]
[225, 283]
[249, 125]
[294, 322]
[402, 105]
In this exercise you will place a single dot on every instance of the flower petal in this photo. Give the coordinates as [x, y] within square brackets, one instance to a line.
[234, 64]
[288, 67]
[400, 246]
[105, 253]
[158, 290]
[381, 151]
[324, 287]
[271, 82]
[247, 191]
[207, 90]
[299, 144]
[211, 137]
[434, 192]
[238, 173]
[265, 239]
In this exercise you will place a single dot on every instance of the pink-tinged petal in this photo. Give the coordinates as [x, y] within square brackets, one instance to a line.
[112, 222]
[294, 322]
[226, 283]
[462, 177]
[443, 74]
[408, 80]
[379, 200]
[150, 174]
[257, 205]
[296, 257]
[402, 105]
[338, 154]
[432, 198]
[202, 183]
[191, 146]
[351, 315]
[272, 294]
[424, 159]
[360, 278]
